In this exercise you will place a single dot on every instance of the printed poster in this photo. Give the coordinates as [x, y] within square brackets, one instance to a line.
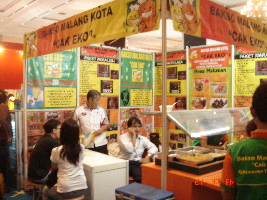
[210, 77]
[250, 72]
[176, 79]
[176, 92]
[136, 79]
[110, 21]
[52, 80]
[99, 70]
[207, 19]
[36, 120]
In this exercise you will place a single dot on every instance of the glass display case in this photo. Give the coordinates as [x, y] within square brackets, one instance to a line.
[197, 123]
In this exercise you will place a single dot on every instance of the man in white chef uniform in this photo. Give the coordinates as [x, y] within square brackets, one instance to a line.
[93, 122]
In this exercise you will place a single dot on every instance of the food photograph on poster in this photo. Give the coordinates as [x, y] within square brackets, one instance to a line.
[103, 70]
[172, 73]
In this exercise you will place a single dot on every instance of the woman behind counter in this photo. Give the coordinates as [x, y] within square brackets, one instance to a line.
[68, 159]
[133, 145]
[218, 141]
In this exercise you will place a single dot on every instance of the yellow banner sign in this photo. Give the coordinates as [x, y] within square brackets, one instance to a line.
[110, 21]
[206, 19]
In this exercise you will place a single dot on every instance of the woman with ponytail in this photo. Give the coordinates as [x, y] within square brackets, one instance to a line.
[68, 159]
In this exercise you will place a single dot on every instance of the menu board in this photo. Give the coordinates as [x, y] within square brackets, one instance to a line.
[210, 77]
[176, 92]
[250, 71]
[99, 70]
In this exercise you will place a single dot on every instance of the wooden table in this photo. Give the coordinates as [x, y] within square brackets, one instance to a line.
[185, 186]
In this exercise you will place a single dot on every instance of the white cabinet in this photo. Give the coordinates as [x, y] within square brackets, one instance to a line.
[104, 174]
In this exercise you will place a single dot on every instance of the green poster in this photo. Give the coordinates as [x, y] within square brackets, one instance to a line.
[136, 79]
[56, 69]
[52, 80]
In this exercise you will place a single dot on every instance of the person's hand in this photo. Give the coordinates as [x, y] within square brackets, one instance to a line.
[145, 160]
[225, 145]
[92, 138]
[132, 131]
[97, 132]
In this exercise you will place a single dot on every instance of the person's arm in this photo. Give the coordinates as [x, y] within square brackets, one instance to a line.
[151, 150]
[104, 124]
[53, 158]
[204, 143]
[102, 129]
[125, 143]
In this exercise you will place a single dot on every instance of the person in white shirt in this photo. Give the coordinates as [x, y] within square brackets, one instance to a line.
[68, 159]
[133, 145]
[93, 122]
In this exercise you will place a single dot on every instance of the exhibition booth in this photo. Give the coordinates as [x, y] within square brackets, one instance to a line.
[61, 65]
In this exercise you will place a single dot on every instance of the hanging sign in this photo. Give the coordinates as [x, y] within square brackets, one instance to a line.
[206, 19]
[110, 21]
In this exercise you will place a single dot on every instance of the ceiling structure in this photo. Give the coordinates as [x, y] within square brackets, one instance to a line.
[18, 17]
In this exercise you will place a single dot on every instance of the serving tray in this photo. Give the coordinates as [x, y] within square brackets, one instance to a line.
[193, 169]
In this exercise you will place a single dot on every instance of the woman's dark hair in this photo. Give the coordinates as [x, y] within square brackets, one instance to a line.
[259, 102]
[69, 139]
[3, 96]
[50, 125]
[133, 120]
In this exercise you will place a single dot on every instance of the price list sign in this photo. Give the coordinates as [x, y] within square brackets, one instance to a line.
[250, 71]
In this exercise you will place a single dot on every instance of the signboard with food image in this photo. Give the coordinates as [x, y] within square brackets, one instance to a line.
[210, 77]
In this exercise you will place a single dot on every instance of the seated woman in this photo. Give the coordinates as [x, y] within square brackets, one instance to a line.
[133, 145]
[68, 159]
[216, 141]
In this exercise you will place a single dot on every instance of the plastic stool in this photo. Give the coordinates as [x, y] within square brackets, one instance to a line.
[75, 198]
[35, 186]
